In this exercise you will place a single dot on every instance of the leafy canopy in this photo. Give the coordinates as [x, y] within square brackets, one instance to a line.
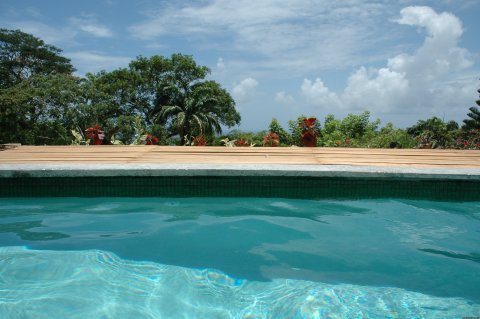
[186, 103]
[36, 90]
[22, 55]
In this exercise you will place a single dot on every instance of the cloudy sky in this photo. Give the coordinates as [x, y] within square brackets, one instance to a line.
[402, 60]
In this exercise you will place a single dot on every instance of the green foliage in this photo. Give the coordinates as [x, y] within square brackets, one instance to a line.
[353, 131]
[356, 131]
[41, 102]
[332, 134]
[35, 111]
[296, 130]
[174, 93]
[106, 100]
[356, 126]
[22, 56]
[473, 122]
[474, 118]
[36, 90]
[200, 111]
[161, 133]
[391, 137]
[275, 127]
[468, 139]
[434, 133]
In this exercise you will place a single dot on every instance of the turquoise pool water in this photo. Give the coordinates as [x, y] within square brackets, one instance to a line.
[238, 258]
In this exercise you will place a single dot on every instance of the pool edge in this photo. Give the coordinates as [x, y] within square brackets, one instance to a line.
[104, 170]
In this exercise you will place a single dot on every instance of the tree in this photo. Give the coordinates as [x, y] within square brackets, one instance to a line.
[200, 111]
[35, 111]
[474, 118]
[187, 104]
[22, 56]
[150, 81]
[107, 101]
[36, 90]
[154, 95]
[41, 101]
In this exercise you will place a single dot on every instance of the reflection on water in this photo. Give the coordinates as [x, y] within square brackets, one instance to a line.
[276, 208]
[473, 256]
[21, 229]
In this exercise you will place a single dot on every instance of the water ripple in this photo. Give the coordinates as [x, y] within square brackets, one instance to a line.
[98, 284]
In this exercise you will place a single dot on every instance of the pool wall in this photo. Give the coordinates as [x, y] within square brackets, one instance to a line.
[192, 180]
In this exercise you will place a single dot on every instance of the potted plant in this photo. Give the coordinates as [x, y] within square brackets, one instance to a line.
[308, 136]
[96, 134]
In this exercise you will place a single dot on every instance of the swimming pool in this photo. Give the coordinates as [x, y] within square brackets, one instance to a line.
[238, 257]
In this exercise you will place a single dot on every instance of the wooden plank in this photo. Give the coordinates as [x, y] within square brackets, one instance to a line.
[241, 155]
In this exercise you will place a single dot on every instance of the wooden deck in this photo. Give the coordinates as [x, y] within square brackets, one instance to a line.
[240, 155]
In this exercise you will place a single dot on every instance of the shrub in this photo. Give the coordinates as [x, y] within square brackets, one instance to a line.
[352, 131]
[283, 137]
[468, 140]
[391, 137]
[434, 133]
[309, 133]
[297, 130]
[271, 139]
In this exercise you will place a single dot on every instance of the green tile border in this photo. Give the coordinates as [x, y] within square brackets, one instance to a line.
[305, 187]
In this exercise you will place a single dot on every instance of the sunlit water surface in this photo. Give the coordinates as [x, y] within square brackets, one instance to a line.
[238, 258]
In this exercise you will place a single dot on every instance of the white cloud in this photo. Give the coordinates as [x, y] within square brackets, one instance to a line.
[89, 25]
[318, 94]
[287, 35]
[61, 36]
[96, 30]
[379, 90]
[439, 53]
[94, 61]
[245, 89]
[284, 98]
[424, 83]
[436, 24]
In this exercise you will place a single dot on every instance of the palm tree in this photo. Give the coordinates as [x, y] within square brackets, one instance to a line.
[197, 109]
[174, 94]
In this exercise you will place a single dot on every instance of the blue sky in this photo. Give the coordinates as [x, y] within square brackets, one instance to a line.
[402, 60]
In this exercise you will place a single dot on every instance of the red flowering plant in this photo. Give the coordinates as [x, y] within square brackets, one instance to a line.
[469, 140]
[241, 143]
[149, 139]
[308, 136]
[271, 139]
[96, 134]
[199, 141]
